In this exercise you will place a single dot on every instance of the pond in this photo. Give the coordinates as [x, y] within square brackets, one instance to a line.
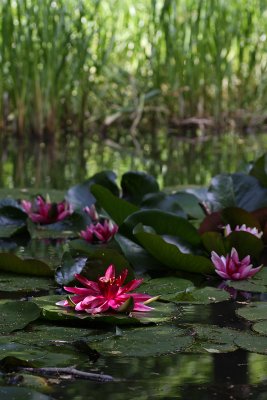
[204, 338]
[172, 160]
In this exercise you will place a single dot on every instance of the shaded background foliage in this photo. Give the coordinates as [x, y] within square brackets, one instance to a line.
[82, 65]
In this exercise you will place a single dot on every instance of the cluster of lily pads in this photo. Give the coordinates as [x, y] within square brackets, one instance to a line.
[133, 255]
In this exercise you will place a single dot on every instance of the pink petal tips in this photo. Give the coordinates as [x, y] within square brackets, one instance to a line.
[108, 293]
[242, 228]
[230, 267]
[42, 212]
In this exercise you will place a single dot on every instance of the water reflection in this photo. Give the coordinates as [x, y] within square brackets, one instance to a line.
[174, 161]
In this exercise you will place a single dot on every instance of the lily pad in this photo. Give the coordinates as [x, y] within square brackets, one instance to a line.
[260, 327]
[205, 295]
[118, 209]
[28, 266]
[255, 311]
[257, 284]
[135, 185]
[16, 315]
[146, 342]
[212, 338]
[162, 312]
[15, 283]
[252, 343]
[21, 393]
[169, 255]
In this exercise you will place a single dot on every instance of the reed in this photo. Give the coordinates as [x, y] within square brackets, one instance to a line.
[81, 66]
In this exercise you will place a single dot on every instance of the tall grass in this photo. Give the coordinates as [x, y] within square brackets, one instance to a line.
[81, 66]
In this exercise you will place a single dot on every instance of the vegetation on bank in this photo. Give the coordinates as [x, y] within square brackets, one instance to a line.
[83, 66]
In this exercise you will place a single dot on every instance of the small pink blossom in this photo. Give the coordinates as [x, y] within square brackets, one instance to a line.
[230, 267]
[107, 293]
[42, 212]
[101, 232]
[91, 211]
[243, 228]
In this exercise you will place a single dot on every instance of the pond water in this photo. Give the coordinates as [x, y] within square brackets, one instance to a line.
[172, 160]
[208, 374]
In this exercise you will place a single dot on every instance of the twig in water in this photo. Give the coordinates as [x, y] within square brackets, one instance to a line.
[69, 371]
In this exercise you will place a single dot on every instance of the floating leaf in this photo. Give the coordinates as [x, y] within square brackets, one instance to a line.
[16, 315]
[146, 342]
[252, 343]
[260, 327]
[165, 287]
[28, 266]
[255, 311]
[259, 170]
[163, 201]
[15, 283]
[21, 393]
[161, 313]
[200, 296]
[256, 284]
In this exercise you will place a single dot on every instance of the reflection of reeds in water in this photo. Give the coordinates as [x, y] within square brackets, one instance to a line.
[173, 162]
[83, 65]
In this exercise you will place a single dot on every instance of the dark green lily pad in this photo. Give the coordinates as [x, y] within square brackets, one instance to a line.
[260, 327]
[255, 311]
[212, 338]
[146, 342]
[259, 170]
[252, 343]
[205, 295]
[16, 315]
[169, 255]
[29, 266]
[165, 287]
[257, 284]
[118, 209]
[80, 195]
[162, 312]
[163, 223]
[163, 201]
[15, 283]
[135, 185]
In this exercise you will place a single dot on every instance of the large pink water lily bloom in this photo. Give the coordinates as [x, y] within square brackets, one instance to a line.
[243, 228]
[107, 293]
[42, 212]
[102, 232]
[230, 267]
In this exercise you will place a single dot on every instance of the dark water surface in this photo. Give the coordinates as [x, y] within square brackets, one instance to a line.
[172, 160]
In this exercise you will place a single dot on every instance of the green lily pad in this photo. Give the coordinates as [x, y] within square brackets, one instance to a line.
[252, 343]
[165, 287]
[16, 315]
[118, 209]
[169, 255]
[15, 283]
[212, 338]
[257, 284]
[29, 266]
[255, 311]
[161, 313]
[135, 185]
[260, 327]
[205, 295]
[146, 342]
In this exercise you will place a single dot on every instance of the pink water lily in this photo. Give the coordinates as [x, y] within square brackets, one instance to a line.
[102, 232]
[107, 293]
[243, 228]
[91, 211]
[230, 267]
[42, 212]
